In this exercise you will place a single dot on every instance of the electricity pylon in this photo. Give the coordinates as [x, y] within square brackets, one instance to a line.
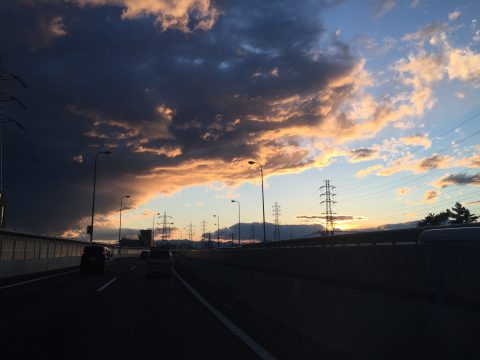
[276, 216]
[329, 215]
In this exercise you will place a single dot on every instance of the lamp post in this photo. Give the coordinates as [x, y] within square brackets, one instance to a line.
[120, 222]
[238, 202]
[218, 230]
[153, 227]
[94, 183]
[251, 162]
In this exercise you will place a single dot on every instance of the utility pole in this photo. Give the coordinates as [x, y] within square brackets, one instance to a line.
[204, 226]
[4, 98]
[218, 229]
[329, 218]
[276, 214]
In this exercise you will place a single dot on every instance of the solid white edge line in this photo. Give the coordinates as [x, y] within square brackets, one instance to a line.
[252, 344]
[133, 267]
[108, 283]
[37, 279]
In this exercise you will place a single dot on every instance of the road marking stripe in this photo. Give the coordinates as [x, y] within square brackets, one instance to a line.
[37, 279]
[108, 283]
[252, 344]
[133, 267]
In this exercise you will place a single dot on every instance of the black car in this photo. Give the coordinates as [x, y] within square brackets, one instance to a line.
[95, 258]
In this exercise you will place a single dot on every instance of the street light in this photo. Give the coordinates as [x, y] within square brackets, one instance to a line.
[94, 183]
[120, 224]
[153, 227]
[218, 229]
[238, 202]
[251, 162]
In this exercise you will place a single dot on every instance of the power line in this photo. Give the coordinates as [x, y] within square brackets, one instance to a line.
[389, 187]
[441, 150]
[347, 184]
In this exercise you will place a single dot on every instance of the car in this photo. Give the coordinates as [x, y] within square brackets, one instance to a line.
[159, 262]
[144, 254]
[95, 258]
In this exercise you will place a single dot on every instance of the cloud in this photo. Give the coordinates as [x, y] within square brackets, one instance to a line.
[460, 179]
[362, 155]
[183, 15]
[368, 171]
[403, 191]
[454, 15]
[173, 104]
[381, 7]
[434, 33]
[469, 162]
[47, 29]
[417, 140]
[430, 196]
[340, 218]
[434, 161]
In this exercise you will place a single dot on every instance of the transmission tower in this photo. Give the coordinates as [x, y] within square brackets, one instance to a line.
[190, 231]
[276, 215]
[329, 215]
[4, 98]
[165, 226]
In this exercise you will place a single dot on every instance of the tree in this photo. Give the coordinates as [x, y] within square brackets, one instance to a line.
[435, 219]
[457, 215]
[461, 215]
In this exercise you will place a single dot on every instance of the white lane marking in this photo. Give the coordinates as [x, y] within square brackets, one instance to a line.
[252, 344]
[108, 283]
[133, 267]
[37, 279]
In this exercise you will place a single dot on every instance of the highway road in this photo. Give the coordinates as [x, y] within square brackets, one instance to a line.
[119, 315]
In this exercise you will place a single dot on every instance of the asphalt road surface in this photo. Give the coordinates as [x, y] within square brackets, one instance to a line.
[119, 315]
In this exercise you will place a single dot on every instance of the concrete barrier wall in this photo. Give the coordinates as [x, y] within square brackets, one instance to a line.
[9, 268]
[373, 302]
[22, 254]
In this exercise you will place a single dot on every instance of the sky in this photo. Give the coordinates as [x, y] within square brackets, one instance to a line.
[379, 97]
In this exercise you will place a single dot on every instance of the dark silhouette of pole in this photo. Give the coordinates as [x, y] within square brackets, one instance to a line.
[218, 230]
[238, 202]
[153, 227]
[120, 222]
[94, 184]
[4, 98]
[263, 200]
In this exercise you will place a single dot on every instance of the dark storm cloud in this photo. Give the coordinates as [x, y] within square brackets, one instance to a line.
[157, 99]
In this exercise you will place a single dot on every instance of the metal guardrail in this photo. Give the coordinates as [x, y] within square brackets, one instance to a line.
[20, 246]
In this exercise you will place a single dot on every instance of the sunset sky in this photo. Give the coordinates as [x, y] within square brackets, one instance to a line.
[380, 97]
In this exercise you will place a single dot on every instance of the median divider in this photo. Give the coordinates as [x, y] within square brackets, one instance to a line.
[372, 302]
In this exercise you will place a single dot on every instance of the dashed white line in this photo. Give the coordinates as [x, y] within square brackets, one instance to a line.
[252, 344]
[133, 267]
[37, 279]
[108, 283]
